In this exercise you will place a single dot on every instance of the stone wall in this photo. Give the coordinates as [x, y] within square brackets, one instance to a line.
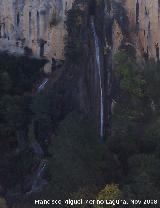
[34, 26]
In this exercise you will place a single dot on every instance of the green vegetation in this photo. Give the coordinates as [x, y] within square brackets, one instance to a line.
[74, 42]
[131, 80]
[3, 203]
[135, 122]
[110, 192]
[78, 157]
[18, 73]
[17, 79]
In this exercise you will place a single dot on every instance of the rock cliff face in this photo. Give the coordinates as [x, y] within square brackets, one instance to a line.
[105, 27]
[147, 22]
[38, 26]
[34, 26]
[143, 26]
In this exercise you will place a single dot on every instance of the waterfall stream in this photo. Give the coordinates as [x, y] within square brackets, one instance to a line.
[38, 182]
[97, 50]
[42, 85]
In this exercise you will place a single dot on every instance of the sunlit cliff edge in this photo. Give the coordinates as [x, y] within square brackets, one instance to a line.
[38, 27]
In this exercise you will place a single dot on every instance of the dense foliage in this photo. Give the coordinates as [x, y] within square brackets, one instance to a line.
[74, 41]
[18, 76]
[135, 136]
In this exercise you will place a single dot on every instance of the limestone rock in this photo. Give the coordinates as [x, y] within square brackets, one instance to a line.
[36, 26]
[144, 25]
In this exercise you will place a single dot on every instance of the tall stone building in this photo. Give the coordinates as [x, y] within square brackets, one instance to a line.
[34, 26]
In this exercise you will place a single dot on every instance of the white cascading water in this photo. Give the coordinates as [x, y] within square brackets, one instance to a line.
[38, 182]
[42, 85]
[97, 50]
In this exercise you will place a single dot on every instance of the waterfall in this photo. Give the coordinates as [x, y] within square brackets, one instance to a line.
[42, 85]
[97, 50]
[38, 182]
[37, 149]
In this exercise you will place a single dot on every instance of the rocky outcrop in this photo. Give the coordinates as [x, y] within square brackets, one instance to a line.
[144, 19]
[140, 20]
[38, 27]
[128, 25]
[34, 27]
